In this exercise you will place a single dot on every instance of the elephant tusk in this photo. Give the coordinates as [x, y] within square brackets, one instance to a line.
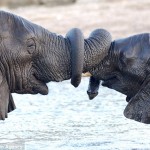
[86, 74]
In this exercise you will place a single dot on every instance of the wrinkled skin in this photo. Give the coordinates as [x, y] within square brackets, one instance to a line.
[31, 56]
[127, 69]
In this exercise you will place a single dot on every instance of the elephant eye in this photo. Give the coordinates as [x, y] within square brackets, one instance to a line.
[31, 46]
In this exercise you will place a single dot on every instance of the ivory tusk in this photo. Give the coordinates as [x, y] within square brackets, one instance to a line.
[87, 74]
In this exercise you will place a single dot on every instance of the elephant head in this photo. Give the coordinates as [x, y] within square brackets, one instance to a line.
[31, 56]
[126, 69]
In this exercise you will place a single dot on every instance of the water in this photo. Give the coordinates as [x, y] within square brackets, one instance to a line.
[67, 120]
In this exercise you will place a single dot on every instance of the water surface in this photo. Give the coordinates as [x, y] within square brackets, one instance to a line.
[66, 120]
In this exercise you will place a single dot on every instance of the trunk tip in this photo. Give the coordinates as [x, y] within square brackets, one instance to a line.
[75, 80]
[92, 95]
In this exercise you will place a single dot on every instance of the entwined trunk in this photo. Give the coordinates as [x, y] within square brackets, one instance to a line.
[54, 56]
[53, 61]
[96, 48]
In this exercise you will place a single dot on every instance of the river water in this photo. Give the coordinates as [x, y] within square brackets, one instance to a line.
[66, 120]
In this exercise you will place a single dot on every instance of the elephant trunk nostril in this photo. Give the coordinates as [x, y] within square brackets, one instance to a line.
[75, 80]
[92, 95]
[93, 87]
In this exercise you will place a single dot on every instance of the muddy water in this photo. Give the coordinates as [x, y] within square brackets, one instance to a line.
[67, 120]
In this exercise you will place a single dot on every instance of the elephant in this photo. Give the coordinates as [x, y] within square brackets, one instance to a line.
[32, 56]
[126, 69]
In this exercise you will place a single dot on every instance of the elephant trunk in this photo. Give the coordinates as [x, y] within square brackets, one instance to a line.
[96, 48]
[61, 58]
[93, 87]
[76, 39]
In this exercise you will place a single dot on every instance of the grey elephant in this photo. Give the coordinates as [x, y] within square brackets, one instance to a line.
[31, 56]
[126, 69]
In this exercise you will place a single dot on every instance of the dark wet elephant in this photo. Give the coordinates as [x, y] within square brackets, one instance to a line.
[127, 69]
[31, 56]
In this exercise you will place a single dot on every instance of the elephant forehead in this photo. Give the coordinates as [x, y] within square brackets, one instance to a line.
[14, 26]
[135, 47]
[12, 44]
[13, 38]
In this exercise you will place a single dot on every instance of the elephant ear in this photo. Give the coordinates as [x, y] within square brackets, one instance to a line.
[76, 39]
[6, 100]
[138, 107]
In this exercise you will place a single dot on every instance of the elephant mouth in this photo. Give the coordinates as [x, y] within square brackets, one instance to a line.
[31, 85]
[37, 86]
